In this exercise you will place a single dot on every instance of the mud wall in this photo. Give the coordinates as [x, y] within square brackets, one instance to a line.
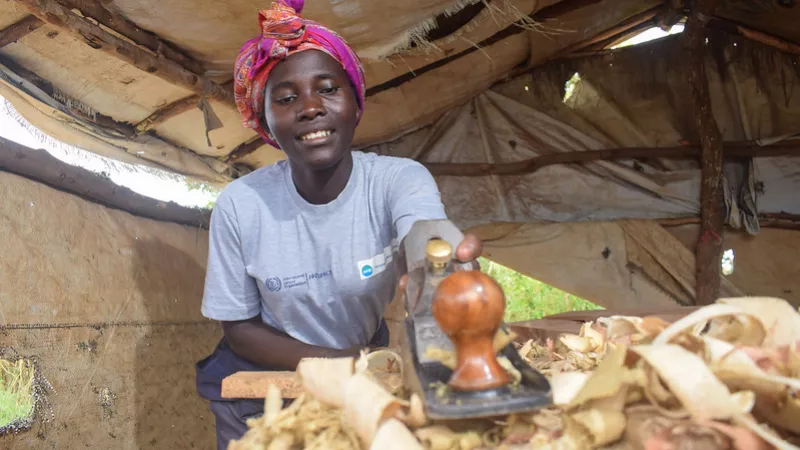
[110, 305]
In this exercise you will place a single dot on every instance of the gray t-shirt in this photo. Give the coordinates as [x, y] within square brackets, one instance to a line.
[321, 273]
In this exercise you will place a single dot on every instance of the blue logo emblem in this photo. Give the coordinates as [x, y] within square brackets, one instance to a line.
[274, 284]
[366, 270]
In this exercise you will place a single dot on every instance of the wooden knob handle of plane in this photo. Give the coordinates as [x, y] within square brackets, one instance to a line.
[469, 307]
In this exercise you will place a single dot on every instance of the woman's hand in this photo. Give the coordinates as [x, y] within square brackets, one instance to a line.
[469, 250]
[467, 254]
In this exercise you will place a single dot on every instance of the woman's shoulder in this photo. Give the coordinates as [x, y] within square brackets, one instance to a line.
[385, 164]
[253, 184]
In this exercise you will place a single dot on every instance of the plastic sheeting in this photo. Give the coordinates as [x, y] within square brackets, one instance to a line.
[616, 265]
[616, 105]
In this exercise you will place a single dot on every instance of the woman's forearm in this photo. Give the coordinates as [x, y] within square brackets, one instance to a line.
[263, 345]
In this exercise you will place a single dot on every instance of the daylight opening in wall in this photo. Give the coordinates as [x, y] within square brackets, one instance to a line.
[569, 87]
[727, 262]
[145, 180]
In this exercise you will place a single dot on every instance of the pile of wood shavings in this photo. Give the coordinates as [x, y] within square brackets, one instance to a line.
[725, 377]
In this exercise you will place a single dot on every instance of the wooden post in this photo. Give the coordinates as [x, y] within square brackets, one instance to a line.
[709, 247]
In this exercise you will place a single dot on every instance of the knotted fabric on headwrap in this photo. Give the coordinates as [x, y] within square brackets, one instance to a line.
[283, 33]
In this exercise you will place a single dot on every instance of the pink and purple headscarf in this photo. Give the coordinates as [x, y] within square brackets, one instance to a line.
[283, 33]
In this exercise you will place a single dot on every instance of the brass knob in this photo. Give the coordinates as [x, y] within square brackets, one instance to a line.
[438, 252]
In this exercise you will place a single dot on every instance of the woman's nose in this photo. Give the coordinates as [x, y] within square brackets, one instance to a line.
[311, 107]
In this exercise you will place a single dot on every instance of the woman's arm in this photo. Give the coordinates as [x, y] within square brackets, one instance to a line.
[265, 346]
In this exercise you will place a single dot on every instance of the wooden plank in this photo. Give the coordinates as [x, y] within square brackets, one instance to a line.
[168, 70]
[20, 29]
[669, 314]
[255, 384]
[570, 322]
[38, 165]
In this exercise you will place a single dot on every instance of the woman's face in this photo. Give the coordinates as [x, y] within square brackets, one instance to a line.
[310, 109]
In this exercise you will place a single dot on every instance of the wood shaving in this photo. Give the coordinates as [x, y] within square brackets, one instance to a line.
[724, 377]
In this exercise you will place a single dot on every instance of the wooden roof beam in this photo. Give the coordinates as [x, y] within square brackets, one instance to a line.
[171, 110]
[755, 35]
[123, 26]
[244, 149]
[731, 150]
[20, 29]
[168, 70]
[42, 167]
[646, 17]
[100, 124]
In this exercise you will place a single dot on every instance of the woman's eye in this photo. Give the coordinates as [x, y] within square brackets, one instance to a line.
[329, 90]
[284, 100]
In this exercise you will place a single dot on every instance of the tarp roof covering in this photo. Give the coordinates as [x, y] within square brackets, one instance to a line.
[422, 59]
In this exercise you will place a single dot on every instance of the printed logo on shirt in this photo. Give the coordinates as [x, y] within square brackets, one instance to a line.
[368, 268]
[366, 271]
[274, 284]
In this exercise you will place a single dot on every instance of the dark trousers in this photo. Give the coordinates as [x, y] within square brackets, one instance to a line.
[231, 418]
[231, 414]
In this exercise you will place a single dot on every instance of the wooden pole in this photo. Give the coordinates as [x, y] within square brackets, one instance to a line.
[709, 248]
[167, 112]
[171, 110]
[18, 30]
[638, 19]
[245, 149]
[734, 150]
[123, 26]
[42, 167]
[56, 14]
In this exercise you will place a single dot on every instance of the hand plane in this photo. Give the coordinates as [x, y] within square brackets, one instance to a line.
[459, 310]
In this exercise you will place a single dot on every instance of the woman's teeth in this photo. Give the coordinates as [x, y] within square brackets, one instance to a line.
[315, 135]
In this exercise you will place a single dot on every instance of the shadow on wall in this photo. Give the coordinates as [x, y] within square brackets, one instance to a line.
[169, 413]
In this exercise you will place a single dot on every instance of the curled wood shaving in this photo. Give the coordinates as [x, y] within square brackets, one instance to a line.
[323, 378]
[724, 377]
[394, 435]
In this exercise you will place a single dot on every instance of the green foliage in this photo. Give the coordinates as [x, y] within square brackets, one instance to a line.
[205, 188]
[16, 392]
[528, 299]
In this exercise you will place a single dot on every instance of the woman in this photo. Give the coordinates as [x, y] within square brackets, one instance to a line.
[302, 254]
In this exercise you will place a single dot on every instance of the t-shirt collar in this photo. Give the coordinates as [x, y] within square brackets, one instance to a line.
[331, 206]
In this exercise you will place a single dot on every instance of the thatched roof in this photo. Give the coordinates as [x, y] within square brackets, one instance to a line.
[125, 78]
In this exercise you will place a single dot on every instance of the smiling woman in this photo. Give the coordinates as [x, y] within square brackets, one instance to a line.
[313, 118]
[303, 254]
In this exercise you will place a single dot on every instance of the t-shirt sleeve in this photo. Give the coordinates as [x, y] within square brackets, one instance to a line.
[413, 196]
[230, 292]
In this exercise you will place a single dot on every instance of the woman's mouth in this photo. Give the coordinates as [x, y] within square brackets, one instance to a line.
[316, 136]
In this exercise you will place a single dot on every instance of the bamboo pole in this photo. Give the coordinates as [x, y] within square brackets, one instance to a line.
[20, 29]
[709, 248]
[56, 14]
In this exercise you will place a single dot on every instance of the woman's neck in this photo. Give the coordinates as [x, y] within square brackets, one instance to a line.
[319, 187]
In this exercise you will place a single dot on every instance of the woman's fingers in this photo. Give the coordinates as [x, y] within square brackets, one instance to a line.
[469, 249]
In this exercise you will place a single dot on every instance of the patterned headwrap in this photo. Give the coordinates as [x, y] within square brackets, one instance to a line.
[283, 33]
